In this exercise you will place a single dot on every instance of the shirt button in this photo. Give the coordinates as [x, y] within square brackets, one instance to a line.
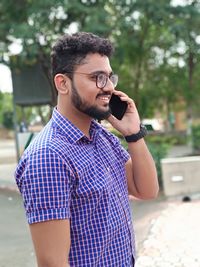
[129, 222]
[108, 169]
[119, 194]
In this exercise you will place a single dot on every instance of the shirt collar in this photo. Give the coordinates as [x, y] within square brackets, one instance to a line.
[73, 133]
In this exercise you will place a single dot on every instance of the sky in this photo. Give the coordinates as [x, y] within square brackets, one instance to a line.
[5, 79]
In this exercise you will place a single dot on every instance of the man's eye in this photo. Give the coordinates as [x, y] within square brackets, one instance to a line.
[101, 77]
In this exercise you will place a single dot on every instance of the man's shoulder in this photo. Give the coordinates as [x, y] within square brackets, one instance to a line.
[45, 140]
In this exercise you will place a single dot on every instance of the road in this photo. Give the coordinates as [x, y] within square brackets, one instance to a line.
[15, 242]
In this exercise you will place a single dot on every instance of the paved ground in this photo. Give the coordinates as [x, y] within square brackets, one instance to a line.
[174, 238]
[167, 230]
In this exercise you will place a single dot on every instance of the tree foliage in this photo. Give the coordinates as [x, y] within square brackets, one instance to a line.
[157, 43]
[6, 110]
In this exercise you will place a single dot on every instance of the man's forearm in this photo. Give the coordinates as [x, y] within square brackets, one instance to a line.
[143, 170]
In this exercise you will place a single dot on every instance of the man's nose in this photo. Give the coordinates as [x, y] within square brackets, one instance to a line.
[109, 87]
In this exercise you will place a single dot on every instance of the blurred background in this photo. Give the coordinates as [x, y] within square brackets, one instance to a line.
[157, 58]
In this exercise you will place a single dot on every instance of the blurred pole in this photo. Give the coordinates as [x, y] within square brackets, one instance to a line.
[189, 131]
[16, 131]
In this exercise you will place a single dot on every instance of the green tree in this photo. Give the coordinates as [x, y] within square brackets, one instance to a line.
[40, 23]
[6, 110]
[147, 34]
[141, 28]
[187, 32]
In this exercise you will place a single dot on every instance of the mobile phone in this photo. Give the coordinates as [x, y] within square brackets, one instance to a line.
[117, 106]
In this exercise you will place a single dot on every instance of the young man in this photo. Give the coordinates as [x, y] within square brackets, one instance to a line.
[75, 176]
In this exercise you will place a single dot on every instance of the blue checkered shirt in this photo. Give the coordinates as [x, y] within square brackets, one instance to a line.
[65, 175]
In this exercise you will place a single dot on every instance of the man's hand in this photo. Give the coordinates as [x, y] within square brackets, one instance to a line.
[140, 168]
[130, 123]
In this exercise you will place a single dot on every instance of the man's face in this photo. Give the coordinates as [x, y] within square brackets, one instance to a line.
[87, 108]
[86, 97]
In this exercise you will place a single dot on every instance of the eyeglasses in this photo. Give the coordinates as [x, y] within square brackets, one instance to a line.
[101, 78]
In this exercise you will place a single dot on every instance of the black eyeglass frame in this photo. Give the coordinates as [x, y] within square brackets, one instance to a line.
[97, 74]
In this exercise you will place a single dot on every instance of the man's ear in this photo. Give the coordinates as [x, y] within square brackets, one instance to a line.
[62, 83]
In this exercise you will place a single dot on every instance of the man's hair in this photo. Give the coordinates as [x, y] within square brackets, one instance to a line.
[70, 50]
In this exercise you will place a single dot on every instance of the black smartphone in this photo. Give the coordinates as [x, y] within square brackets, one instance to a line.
[117, 106]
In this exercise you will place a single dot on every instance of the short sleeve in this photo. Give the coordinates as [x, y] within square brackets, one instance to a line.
[45, 186]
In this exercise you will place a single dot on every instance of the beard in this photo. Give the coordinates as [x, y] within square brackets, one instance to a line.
[90, 110]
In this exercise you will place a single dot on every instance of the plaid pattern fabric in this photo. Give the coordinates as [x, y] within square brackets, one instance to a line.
[63, 174]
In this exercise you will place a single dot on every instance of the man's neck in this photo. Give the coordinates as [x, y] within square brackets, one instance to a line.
[79, 119]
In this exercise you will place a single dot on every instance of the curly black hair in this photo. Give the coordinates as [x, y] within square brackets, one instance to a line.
[70, 50]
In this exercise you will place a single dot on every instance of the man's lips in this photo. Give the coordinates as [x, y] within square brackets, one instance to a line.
[105, 99]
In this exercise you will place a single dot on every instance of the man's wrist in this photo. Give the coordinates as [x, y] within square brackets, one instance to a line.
[137, 136]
